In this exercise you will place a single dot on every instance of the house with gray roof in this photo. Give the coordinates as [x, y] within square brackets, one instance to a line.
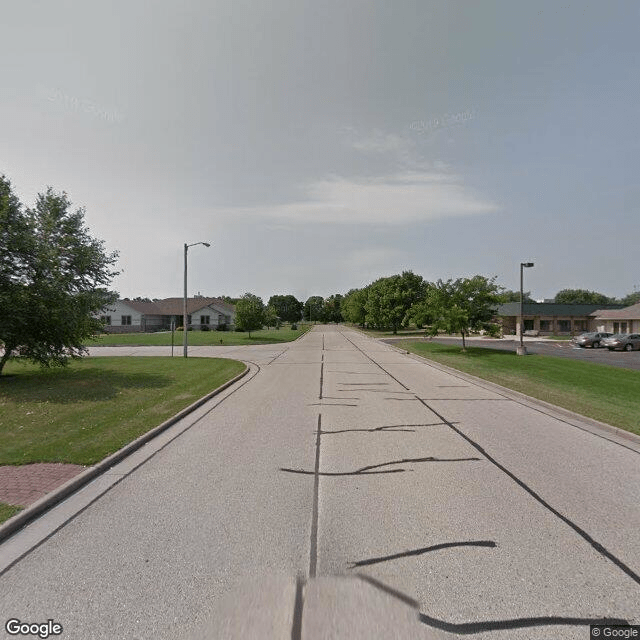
[130, 316]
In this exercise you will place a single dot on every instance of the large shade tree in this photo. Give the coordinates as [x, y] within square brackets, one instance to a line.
[332, 308]
[314, 309]
[250, 313]
[287, 307]
[508, 295]
[630, 299]
[462, 305]
[390, 299]
[353, 306]
[53, 279]
[581, 296]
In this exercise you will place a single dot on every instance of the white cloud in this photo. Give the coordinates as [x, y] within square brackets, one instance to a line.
[381, 142]
[402, 198]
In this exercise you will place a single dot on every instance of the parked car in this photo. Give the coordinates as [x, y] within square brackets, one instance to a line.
[623, 341]
[590, 339]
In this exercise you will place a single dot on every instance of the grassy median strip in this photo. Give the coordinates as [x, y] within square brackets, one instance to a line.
[95, 406]
[200, 338]
[602, 392]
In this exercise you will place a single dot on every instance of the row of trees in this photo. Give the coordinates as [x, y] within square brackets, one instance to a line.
[576, 296]
[457, 306]
[253, 314]
[583, 296]
[454, 306]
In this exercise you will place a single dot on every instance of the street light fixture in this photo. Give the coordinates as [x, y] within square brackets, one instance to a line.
[184, 306]
[521, 349]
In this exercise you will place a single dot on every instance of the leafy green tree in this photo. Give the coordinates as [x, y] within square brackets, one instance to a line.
[271, 318]
[581, 296]
[250, 313]
[314, 309]
[53, 279]
[463, 305]
[631, 298]
[422, 313]
[390, 299]
[514, 296]
[287, 308]
[353, 306]
[331, 309]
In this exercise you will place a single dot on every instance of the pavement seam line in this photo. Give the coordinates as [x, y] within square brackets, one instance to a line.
[531, 402]
[313, 550]
[601, 549]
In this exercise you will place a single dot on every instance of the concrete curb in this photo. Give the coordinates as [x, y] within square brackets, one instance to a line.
[517, 395]
[56, 496]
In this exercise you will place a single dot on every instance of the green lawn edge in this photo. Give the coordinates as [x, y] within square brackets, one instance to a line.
[90, 409]
[602, 392]
[200, 338]
[7, 511]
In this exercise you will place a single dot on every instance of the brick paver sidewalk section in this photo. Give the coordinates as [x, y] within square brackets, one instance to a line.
[23, 485]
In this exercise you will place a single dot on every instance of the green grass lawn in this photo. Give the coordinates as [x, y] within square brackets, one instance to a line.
[201, 338]
[606, 393]
[7, 510]
[84, 412]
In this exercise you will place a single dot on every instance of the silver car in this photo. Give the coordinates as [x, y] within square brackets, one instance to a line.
[590, 339]
[622, 341]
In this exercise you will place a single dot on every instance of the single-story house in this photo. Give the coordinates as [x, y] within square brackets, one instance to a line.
[625, 320]
[129, 316]
[550, 318]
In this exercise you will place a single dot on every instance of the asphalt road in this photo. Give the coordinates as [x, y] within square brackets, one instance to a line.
[560, 348]
[337, 455]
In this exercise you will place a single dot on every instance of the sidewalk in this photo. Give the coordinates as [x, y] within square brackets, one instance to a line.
[21, 486]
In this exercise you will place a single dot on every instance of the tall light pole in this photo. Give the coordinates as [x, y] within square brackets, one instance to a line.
[185, 327]
[521, 350]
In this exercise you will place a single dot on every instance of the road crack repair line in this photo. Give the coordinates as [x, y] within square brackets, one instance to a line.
[597, 546]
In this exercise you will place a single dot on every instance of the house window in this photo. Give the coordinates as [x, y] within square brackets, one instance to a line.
[580, 325]
[126, 320]
[205, 319]
[564, 326]
[106, 320]
[545, 325]
[619, 327]
[528, 324]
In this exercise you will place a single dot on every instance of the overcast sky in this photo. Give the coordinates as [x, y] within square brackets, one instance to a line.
[321, 145]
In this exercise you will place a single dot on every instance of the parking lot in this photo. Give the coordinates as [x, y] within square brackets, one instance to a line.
[560, 348]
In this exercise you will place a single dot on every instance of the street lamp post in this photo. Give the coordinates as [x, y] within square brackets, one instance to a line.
[521, 349]
[184, 306]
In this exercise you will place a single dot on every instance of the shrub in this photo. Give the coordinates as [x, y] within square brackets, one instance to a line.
[222, 327]
[205, 327]
[239, 330]
[494, 330]
[179, 328]
[294, 326]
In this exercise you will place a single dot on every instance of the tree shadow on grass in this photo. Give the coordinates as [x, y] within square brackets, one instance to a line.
[66, 385]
